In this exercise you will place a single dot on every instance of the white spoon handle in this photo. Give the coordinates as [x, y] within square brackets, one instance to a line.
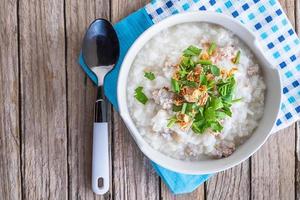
[100, 167]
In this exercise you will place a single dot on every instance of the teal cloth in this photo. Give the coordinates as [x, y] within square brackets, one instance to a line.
[128, 31]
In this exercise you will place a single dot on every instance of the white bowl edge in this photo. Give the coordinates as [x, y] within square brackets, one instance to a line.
[207, 166]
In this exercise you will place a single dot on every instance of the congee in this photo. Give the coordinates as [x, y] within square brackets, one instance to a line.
[195, 91]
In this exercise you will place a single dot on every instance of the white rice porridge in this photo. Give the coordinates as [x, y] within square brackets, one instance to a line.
[159, 56]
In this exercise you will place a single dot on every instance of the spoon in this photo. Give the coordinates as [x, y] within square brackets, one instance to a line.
[100, 50]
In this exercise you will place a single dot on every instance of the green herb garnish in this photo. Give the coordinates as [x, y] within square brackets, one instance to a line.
[175, 86]
[149, 75]
[185, 61]
[209, 114]
[236, 100]
[212, 48]
[176, 108]
[236, 59]
[205, 62]
[140, 96]
[192, 51]
[227, 111]
[203, 79]
[204, 95]
[189, 83]
[216, 103]
[221, 114]
[183, 109]
[215, 70]
[220, 92]
[199, 126]
[171, 121]
[216, 126]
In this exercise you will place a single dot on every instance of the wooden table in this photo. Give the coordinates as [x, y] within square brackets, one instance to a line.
[46, 115]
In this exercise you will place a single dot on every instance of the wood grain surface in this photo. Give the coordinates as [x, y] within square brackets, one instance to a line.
[10, 165]
[273, 167]
[46, 117]
[198, 194]
[43, 98]
[231, 184]
[81, 97]
[297, 154]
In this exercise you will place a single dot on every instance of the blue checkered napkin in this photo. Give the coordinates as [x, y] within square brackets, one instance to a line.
[268, 21]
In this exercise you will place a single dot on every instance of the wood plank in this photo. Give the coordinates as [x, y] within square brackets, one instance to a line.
[122, 8]
[297, 185]
[166, 194]
[297, 16]
[81, 98]
[133, 175]
[43, 96]
[273, 166]
[9, 103]
[230, 184]
[297, 164]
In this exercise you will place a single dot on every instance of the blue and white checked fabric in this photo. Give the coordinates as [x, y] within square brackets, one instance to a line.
[270, 24]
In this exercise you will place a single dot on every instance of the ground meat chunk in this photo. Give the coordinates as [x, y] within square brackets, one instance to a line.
[223, 53]
[163, 97]
[176, 137]
[253, 70]
[224, 149]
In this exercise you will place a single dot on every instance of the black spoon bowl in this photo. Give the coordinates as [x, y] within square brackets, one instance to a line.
[100, 44]
[100, 50]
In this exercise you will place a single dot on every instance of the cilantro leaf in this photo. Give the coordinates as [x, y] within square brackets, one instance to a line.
[190, 107]
[203, 79]
[196, 129]
[211, 84]
[227, 111]
[185, 61]
[223, 90]
[182, 72]
[226, 88]
[140, 96]
[192, 51]
[221, 114]
[216, 126]
[195, 59]
[199, 115]
[215, 70]
[216, 103]
[201, 110]
[209, 114]
[149, 75]
[199, 126]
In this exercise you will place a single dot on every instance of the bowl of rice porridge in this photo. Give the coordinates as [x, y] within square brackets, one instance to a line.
[197, 93]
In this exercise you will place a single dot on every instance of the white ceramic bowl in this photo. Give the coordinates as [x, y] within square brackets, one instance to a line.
[272, 96]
